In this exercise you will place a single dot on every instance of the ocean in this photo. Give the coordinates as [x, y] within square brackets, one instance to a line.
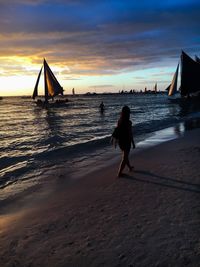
[34, 140]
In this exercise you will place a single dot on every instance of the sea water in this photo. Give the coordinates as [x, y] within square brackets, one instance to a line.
[34, 140]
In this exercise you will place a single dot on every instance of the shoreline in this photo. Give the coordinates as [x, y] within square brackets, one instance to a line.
[148, 218]
[105, 157]
[31, 171]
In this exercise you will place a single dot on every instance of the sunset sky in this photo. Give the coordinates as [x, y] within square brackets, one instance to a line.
[101, 46]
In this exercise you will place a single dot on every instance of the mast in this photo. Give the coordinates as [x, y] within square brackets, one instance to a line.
[45, 82]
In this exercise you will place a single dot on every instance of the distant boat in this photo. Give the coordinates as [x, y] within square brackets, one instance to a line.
[154, 91]
[189, 81]
[52, 88]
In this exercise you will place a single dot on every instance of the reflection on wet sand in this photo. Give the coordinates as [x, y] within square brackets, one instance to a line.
[189, 124]
[178, 130]
[192, 124]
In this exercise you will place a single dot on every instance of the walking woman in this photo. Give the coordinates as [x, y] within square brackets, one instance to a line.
[125, 138]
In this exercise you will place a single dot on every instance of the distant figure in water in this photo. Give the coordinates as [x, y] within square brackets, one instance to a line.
[125, 139]
[102, 107]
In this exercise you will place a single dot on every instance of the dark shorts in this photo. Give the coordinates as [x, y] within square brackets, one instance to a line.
[125, 146]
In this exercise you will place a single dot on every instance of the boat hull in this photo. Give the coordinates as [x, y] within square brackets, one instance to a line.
[56, 103]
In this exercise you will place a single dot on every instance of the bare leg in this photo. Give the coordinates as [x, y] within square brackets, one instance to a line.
[124, 162]
[122, 166]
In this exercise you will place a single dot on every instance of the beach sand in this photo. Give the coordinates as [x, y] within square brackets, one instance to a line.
[150, 217]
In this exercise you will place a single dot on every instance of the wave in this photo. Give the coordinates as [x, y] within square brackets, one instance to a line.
[44, 138]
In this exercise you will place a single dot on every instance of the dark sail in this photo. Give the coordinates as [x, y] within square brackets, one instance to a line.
[197, 59]
[190, 75]
[35, 92]
[167, 89]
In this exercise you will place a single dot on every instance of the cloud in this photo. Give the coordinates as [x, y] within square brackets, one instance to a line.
[99, 37]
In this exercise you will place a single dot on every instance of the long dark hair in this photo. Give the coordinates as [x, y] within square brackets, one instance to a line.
[125, 113]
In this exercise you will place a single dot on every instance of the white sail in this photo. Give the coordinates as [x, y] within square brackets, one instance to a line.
[173, 86]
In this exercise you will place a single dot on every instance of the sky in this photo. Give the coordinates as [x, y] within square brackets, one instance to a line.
[95, 46]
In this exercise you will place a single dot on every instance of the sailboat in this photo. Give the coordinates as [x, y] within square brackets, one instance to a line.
[189, 81]
[52, 88]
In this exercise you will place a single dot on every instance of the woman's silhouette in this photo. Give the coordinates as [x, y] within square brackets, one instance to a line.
[125, 138]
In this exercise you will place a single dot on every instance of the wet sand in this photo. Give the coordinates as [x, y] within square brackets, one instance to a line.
[150, 217]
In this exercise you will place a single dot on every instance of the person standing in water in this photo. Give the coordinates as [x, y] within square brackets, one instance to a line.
[102, 107]
[125, 139]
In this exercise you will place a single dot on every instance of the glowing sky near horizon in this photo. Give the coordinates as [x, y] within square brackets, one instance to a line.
[106, 45]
